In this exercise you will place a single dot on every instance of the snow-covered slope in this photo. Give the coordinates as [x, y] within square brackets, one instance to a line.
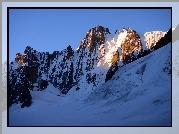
[101, 80]
[139, 94]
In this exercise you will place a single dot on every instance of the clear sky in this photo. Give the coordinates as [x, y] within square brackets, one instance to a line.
[48, 30]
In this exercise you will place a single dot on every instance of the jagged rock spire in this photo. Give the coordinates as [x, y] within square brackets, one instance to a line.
[131, 43]
[94, 37]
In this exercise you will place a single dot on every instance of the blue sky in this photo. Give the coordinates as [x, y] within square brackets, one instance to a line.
[48, 30]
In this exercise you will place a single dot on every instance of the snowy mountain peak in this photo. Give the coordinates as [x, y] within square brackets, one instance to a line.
[93, 63]
[94, 37]
[153, 37]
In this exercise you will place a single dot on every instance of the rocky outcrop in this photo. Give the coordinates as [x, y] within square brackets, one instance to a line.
[20, 59]
[111, 71]
[94, 37]
[131, 44]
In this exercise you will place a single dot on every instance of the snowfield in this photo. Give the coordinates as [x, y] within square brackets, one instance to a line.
[139, 94]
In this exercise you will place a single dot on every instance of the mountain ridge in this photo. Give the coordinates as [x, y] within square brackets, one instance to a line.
[94, 63]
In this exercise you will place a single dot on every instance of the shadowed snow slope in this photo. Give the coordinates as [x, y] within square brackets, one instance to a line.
[139, 94]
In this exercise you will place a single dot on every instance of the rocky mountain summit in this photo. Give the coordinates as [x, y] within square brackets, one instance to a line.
[99, 55]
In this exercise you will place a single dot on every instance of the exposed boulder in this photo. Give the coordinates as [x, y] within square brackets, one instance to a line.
[43, 84]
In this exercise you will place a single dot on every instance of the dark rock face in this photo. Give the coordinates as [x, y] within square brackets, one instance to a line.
[19, 88]
[67, 80]
[32, 64]
[111, 71]
[70, 52]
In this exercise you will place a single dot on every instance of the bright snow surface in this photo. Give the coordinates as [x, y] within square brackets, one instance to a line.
[128, 99]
